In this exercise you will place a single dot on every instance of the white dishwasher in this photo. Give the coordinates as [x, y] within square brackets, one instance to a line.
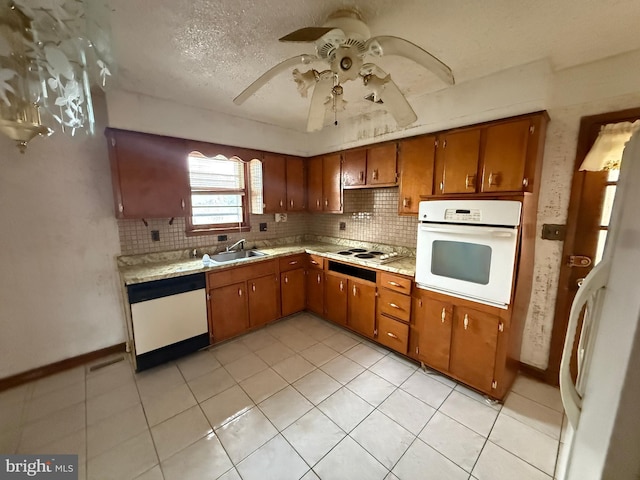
[169, 318]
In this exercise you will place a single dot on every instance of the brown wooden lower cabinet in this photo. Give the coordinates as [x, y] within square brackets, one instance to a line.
[263, 300]
[361, 307]
[315, 291]
[292, 286]
[461, 338]
[335, 297]
[229, 314]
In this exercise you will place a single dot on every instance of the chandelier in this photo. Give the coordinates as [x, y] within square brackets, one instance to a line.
[51, 54]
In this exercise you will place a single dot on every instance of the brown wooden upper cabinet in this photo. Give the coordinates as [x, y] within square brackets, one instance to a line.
[502, 156]
[372, 167]
[456, 166]
[283, 183]
[324, 187]
[149, 175]
[415, 164]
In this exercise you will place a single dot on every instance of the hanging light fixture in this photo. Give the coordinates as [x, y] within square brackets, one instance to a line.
[51, 53]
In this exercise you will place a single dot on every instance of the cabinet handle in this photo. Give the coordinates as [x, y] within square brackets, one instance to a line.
[121, 207]
[313, 262]
[326, 202]
[318, 203]
[393, 305]
[444, 315]
[319, 280]
[281, 203]
[355, 291]
[182, 203]
[405, 202]
[444, 144]
[341, 286]
[441, 186]
[392, 335]
[239, 292]
[291, 203]
[525, 182]
[208, 296]
[253, 287]
[375, 175]
[361, 177]
[395, 284]
[466, 321]
[470, 181]
[420, 303]
[293, 262]
[286, 279]
[494, 178]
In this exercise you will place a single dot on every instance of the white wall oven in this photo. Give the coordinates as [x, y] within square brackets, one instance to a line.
[467, 248]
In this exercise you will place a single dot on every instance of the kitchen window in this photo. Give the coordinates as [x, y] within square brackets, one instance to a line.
[219, 194]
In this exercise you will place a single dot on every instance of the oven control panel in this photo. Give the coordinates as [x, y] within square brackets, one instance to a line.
[462, 215]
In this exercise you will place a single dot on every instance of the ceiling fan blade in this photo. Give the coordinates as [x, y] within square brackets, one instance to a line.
[304, 59]
[389, 45]
[307, 34]
[386, 91]
[317, 109]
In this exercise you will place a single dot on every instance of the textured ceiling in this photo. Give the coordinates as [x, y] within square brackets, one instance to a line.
[204, 53]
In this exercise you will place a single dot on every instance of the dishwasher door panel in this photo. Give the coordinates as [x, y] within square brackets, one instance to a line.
[167, 320]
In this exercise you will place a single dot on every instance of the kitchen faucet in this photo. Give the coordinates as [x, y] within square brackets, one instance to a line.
[239, 242]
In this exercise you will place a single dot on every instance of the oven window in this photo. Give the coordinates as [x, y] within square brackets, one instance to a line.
[460, 260]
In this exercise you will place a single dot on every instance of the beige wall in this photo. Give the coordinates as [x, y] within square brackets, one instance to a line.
[59, 288]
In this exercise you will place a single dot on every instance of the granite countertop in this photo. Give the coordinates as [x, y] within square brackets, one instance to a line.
[145, 268]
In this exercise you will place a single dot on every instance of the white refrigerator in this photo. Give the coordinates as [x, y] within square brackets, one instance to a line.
[603, 406]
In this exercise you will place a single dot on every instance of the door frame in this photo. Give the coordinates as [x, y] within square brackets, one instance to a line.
[589, 129]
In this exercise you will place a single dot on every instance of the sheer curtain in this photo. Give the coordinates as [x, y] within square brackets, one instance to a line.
[606, 152]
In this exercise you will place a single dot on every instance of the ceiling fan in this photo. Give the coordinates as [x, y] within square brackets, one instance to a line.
[344, 42]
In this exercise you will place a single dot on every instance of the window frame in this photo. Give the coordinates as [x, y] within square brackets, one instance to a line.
[217, 228]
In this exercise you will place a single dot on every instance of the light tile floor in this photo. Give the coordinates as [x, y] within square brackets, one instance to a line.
[298, 399]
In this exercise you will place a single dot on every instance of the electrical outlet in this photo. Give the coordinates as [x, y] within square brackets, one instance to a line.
[343, 225]
[155, 235]
[263, 227]
[222, 238]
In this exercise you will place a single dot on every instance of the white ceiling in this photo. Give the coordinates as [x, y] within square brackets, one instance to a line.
[204, 53]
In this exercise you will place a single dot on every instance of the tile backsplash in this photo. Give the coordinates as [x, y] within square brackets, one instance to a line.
[370, 215]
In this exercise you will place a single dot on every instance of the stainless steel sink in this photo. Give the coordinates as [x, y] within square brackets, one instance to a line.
[223, 257]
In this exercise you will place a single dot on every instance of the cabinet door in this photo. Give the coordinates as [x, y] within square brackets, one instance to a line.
[149, 174]
[473, 347]
[457, 162]
[315, 291]
[382, 165]
[335, 297]
[415, 164]
[228, 310]
[315, 201]
[432, 321]
[505, 154]
[292, 286]
[361, 315]
[263, 300]
[354, 168]
[331, 183]
[295, 184]
[274, 183]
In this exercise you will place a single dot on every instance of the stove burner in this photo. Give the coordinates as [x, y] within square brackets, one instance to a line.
[376, 253]
[357, 250]
[364, 255]
[345, 253]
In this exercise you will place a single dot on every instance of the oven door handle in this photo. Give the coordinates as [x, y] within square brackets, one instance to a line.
[478, 231]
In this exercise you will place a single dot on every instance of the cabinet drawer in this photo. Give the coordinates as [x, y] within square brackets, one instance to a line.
[394, 304]
[239, 274]
[315, 261]
[393, 334]
[292, 262]
[395, 282]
